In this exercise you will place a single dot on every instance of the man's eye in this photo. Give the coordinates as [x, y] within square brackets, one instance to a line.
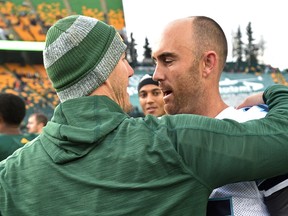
[167, 61]
[125, 56]
[157, 93]
[154, 62]
[142, 95]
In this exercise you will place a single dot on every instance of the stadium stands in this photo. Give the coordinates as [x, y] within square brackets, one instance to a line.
[20, 72]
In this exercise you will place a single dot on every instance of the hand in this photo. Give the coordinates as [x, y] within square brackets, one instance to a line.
[252, 100]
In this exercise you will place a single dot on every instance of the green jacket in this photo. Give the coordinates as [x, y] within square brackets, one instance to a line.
[93, 159]
[9, 143]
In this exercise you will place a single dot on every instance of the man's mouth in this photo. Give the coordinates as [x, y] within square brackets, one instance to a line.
[166, 93]
[151, 109]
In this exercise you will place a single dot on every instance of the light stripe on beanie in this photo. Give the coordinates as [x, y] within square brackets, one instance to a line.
[52, 53]
[79, 55]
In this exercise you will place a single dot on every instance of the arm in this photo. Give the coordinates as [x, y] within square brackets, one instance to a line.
[252, 100]
[275, 189]
[225, 151]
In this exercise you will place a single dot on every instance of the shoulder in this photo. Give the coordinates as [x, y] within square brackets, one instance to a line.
[244, 114]
[10, 139]
[25, 138]
[256, 108]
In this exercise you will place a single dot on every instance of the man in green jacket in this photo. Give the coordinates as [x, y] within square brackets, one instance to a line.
[93, 159]
[12, 113]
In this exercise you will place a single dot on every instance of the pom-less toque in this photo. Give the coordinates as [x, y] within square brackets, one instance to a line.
[79, 55]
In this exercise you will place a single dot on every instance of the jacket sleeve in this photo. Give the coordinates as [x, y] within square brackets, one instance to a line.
[219, 152]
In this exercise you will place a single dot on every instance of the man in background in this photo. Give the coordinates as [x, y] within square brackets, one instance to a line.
[150, 96]
[190, 57]
[12, 113]
[36, 122]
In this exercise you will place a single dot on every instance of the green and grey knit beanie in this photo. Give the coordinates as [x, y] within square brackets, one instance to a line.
[79, 55]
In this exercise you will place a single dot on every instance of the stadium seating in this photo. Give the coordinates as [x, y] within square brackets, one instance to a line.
[29, 21]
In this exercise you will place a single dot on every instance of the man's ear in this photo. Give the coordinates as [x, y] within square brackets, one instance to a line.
[107, 83]
[209, 62]
[103, 89]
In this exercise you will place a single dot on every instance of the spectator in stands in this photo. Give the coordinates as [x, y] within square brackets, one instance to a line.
[12, 113]
[36, 122]
[103, 162]
[2, 34]
[188, 68]
[150, 96]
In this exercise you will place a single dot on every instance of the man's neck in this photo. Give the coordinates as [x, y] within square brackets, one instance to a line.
[214, 110]
[11, 131]
[212, 105]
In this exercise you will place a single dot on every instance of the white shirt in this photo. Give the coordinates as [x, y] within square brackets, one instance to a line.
[243, 198]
